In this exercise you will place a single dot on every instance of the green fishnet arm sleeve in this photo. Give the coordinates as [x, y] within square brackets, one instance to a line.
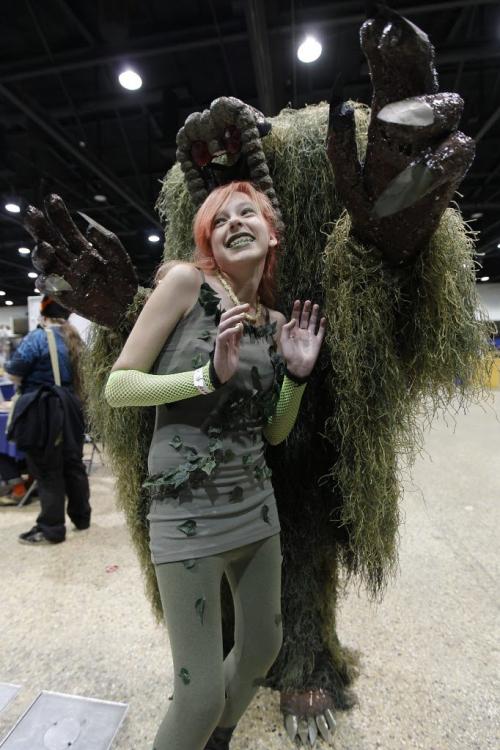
[136, 388]
[280, 424]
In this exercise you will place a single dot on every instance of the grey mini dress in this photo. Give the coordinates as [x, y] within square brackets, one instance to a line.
[208, 481]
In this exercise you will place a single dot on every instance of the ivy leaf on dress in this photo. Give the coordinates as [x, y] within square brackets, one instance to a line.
[197, 360]
[214, 445]
[176, 442]
[189, 564]
[236, 495]
[214, 431]
[264, 512]
[247, 460]
[208, 465]
[200, 608]
[205, 335]
[208, 299]
[228, 455]
[188, 527]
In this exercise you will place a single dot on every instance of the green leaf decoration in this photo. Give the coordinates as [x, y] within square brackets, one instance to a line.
[214, 445]
[214, 431]
[179, 478]
[258, 473]
[236, 495]
[208, 466]
[193, 456]
[264, 513]
[188, 527]
[200, 608]
[228, 455]
[247, 460]
[189, 564]
[176, 442]
[208, 299]
[197, 360]
[185, 676]
[205, 335]
[278, 619]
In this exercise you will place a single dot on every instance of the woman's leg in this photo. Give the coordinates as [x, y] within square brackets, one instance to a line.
[254, 575]
[190, 596]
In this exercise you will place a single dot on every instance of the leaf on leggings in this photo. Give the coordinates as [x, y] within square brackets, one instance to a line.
[189, 564]
[265, 514]
[185, 676]
[188, 527]
[200, 608]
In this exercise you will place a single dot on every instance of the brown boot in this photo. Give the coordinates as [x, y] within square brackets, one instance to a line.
[219, 739]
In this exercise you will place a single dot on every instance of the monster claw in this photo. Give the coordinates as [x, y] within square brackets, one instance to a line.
[332, 724]
[291, 726]
[313, 731]
[304, 731]
[323, 728]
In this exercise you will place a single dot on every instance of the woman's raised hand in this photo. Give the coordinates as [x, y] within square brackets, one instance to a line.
[302, 337]
[227, 343]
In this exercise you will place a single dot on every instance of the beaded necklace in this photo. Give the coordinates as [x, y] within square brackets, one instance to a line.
[252, 318]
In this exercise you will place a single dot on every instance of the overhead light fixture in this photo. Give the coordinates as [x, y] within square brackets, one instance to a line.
[484, 278]
[481, 254]
[130, 80]
[100, 198]
[498, 245]
[23, 250]
[13, 208]
[2, 293]
[309, 50]
[477, 215]
[32, 275]
[154, 238]
[8, 302]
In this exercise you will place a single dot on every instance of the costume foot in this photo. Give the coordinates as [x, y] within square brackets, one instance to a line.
[307, 716]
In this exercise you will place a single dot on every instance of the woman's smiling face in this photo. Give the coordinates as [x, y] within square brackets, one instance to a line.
[240, 233]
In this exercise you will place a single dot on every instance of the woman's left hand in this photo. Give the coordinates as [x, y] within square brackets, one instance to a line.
[301, 338]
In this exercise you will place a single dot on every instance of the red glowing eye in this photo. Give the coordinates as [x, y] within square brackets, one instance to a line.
[200, 153]
[232, 139]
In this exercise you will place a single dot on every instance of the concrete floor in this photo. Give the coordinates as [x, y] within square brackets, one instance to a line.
[74, 618]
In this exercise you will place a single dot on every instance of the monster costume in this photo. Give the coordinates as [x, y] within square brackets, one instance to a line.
[368, 235]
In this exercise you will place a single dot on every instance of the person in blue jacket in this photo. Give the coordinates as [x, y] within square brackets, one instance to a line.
[59, 472]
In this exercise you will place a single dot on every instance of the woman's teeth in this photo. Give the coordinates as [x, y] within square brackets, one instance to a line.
[241, 241]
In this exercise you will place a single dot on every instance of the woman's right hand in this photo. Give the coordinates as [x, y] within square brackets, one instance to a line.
[227, 343]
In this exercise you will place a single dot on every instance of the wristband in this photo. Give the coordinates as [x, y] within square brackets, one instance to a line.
[199, 382]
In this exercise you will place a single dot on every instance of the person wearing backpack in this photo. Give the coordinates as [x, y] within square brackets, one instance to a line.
[48, 420]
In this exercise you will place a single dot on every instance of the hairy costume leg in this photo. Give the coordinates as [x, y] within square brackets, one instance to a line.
[191, 604]
[254, 574]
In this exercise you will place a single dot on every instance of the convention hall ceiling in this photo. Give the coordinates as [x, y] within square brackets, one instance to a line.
[67, 126]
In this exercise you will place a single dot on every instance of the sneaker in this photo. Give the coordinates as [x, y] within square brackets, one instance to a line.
[35, 536]
[81, 527]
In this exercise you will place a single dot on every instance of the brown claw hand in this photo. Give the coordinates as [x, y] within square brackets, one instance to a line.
[91, 275]
[415, 157]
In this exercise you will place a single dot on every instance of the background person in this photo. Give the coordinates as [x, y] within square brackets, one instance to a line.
[60, 471]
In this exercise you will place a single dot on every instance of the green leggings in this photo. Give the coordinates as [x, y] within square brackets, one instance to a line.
[209, 690]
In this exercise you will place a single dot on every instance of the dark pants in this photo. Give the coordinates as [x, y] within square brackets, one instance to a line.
[61, 473]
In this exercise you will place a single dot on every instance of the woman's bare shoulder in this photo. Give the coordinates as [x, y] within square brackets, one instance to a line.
[276, 316]
[179, 272]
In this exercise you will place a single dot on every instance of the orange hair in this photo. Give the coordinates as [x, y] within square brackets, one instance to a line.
[203, 226]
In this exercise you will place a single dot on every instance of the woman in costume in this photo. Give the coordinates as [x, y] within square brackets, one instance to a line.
[207, 353]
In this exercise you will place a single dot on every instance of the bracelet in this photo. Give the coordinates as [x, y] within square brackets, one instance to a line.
[214, 378]
[295, 378]
[199, 382]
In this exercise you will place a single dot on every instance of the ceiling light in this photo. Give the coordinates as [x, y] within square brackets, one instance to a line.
[154, 238]
[13, 208]
[32, 275]
[477, 215]
[2, 293]
[481, 254]
[100, 198]
[309, 50]
[8, 302]
[484, 278]
[498, 245]
[130, 80]
[23, 250]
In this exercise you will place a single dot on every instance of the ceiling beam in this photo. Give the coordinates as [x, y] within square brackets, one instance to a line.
[255, 14]
[168, 43]
[87, 161]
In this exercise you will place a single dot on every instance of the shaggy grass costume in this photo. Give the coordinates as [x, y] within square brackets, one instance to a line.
[401, 344]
